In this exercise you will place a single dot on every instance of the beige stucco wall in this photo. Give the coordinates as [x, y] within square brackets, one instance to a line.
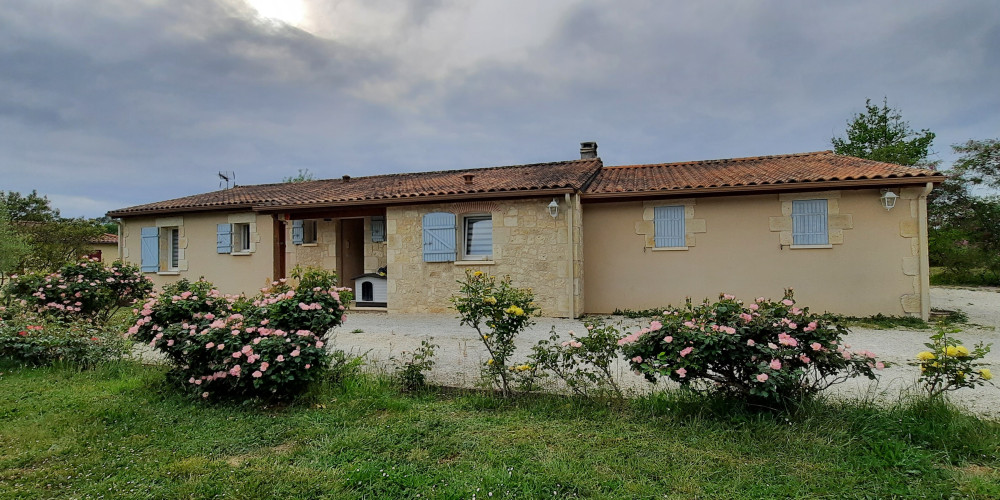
[109, 251]
[528, 244]
[197, 252]
[872, 265]
[322, 254]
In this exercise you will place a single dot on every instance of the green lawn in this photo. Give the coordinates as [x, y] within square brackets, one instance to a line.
[120, 431]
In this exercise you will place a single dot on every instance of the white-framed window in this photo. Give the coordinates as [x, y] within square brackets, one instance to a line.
[241, 238]
[809, 222]
[309, 231]
[477, 237]
[172, 248]
[669, 227]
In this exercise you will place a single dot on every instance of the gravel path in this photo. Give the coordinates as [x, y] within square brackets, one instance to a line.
[380, 336]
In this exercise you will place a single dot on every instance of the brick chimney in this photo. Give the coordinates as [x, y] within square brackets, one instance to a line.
[588, 150]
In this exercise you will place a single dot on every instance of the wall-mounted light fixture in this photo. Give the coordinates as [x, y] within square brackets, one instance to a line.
[554, 208]
[888, 199]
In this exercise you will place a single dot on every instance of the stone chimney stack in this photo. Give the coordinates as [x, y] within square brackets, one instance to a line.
[588, 150]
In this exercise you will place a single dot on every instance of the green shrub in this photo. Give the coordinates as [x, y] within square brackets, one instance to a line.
[224, 345]
[948, 365]
[498, 312]
[86, 289]
[410, 367]
[36, 341]
[768, 351]
[584, 362]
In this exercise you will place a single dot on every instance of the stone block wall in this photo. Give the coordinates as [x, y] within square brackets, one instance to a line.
[529, 245]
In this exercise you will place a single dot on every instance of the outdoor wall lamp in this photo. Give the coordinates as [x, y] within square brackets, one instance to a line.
[554, 208]
[888, 199]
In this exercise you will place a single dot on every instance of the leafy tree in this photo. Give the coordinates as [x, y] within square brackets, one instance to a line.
[13, 247]
[979, 164]
[879, 133]
[304, 176]
[28, 208]
[52, 240]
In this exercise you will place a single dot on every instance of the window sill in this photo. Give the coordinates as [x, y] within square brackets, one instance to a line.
[309, 245]
[806, 247]
[669, 249]
[474, 262]
[241, 253]
[168, 273]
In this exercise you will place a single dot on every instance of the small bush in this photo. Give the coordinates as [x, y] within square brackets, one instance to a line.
[503, 311]
[583, 363]
[768, 351]
[948, 365]
[35, 341]
[272, 345]
[411, 366]
[86, 290]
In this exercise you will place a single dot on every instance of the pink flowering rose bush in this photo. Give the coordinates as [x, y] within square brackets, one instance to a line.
[771, 351]
[271, 345]
[86, 289]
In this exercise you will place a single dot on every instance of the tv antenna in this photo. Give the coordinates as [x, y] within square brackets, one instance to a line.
[226, 177]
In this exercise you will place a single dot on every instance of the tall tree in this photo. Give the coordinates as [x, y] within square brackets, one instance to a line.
[28, 208]
[879, 133]
[979, 164]
[304, 176]
[13, 247]
[52, 240]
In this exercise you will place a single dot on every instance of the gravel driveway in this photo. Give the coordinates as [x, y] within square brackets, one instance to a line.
[380, 336]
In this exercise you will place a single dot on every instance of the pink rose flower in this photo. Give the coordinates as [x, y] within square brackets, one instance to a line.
[816, 346]
[637, 359]
[751, 343]
[787, 302]
[668, 339]
[295, 353]
[686, 351]
[775, 364]
[681, 372]
[257, 374]
[655, 325]
[762, 378]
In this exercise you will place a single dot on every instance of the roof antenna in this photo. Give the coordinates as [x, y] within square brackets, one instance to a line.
[227, 177]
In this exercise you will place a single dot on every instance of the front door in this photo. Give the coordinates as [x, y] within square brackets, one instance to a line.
[351, 251]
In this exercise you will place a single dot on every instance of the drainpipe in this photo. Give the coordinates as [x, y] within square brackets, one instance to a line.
[572, 257]
[121, 241]
[925, 279]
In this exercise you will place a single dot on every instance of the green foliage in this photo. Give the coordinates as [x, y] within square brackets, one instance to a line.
[979, 163]
[880, 134]
[768, 351]
[231, 346]
[34, 340]
[33, 208]
[86, 289]
[304, 175]
[14, 248]
[948, 365]
[410, 367]
[584, 362]
[498, 312]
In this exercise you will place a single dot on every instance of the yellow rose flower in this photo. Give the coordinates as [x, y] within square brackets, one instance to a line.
[985, 373]
[490, 362]
[491, 300]
[962, 351]
[477, 274]
[925, 355]
[515, 310]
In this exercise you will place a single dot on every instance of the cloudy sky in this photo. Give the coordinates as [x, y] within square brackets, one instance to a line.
[111, 103]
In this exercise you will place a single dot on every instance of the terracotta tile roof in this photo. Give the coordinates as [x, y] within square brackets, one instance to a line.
[795, 171]
[106, 239]
[516, 180]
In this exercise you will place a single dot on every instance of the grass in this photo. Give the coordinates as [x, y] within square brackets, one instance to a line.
[121, 431]
[970, 277]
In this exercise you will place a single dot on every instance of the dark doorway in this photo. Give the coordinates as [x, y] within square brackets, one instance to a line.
[351, 251]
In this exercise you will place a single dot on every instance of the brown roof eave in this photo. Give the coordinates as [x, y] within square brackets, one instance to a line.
[769, 188]
[119, 214]
[412, 200]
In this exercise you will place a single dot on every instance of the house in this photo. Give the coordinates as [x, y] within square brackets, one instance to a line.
[104, 247]
[587, 238]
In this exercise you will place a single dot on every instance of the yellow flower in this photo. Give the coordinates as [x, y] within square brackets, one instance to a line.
[486, 337]
[522, 368]
[477, 274]
[962, 351]
[985, 373]
[925, 355]
[491, 300]
[490, 362]
[515, 310]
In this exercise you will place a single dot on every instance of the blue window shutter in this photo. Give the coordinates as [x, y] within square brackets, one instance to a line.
[224, 238]
[809, 222]
[439, 237]
[378, 229]
[668, 223]
[298, 232]
[150, 249]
